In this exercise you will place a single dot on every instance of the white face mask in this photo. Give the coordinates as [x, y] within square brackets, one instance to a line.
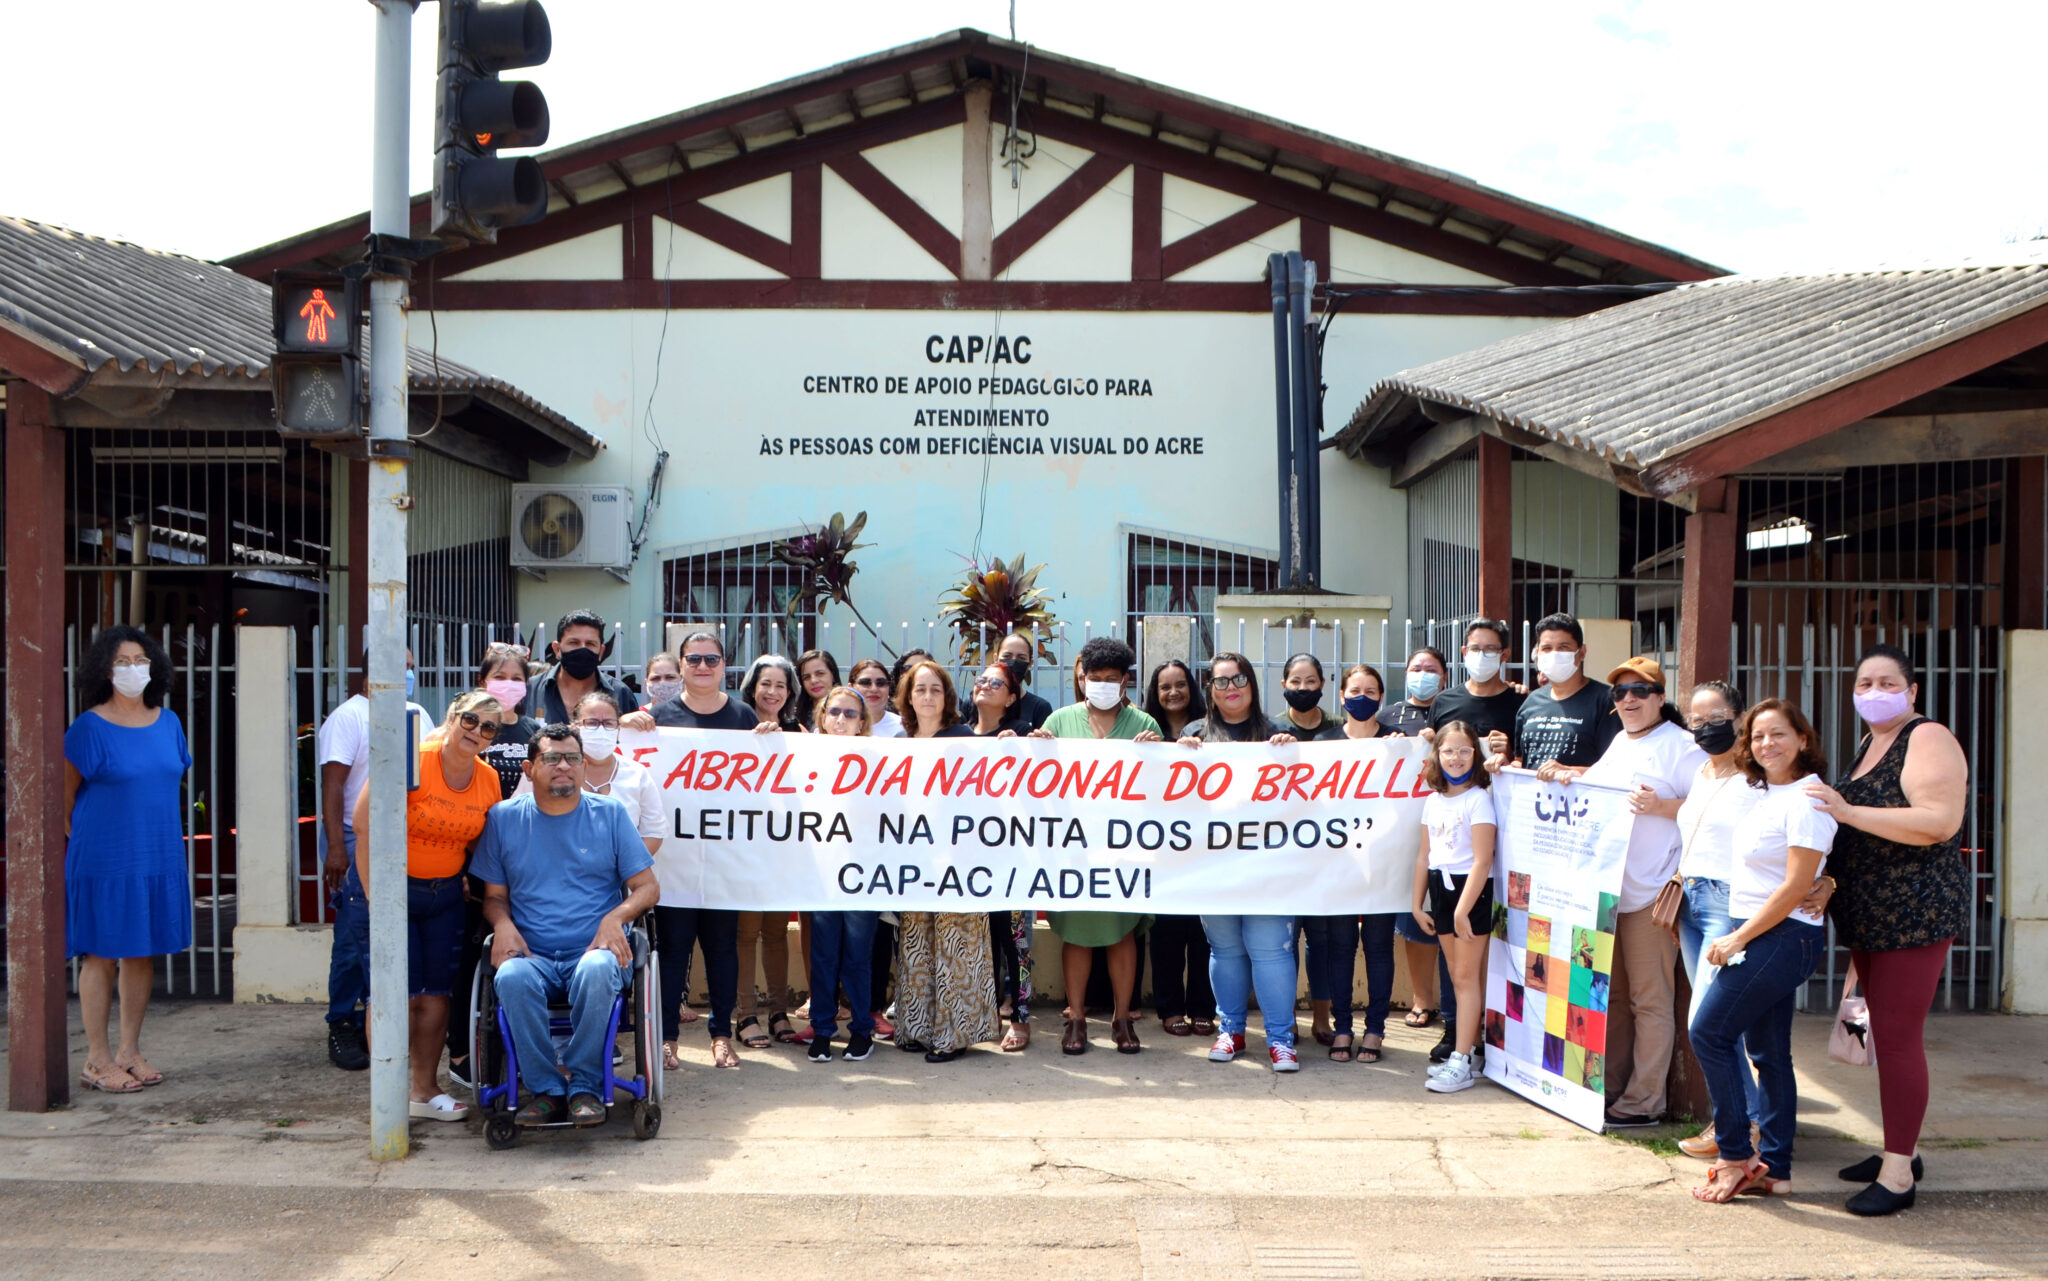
[1103, 694]
[598, 740]
[1484, 667]
[131, 681]
[1557, 666]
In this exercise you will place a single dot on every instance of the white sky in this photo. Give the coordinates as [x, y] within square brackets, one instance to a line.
[1786, 135]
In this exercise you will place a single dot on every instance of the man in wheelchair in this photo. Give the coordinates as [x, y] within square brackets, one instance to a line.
[564, 871]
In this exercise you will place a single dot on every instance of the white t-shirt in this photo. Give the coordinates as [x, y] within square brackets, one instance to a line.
[636, 788]
[344, 739]
[1449, 820]
[890, 726]
[1783, 816]
[1707, 823]
[1666, 759]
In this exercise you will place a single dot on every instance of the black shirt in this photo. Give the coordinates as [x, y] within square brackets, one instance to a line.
[1026, 714]
[1485, 713]
[1329, 727]
[1252, 729]
[507, 752]
[960, 730]
[1403, 717]
[676, 714]
[1573, 731]
[544, 697]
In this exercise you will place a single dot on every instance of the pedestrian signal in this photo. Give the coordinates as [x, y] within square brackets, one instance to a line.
[315, 375]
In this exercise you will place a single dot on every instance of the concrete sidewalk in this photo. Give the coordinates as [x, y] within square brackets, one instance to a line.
[1092, 1157]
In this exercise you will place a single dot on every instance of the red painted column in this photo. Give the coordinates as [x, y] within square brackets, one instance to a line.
[2026, 532]
[1496, 529]
[38, 1061]
[1707, 603]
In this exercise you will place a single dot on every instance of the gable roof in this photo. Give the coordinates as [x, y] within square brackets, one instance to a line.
[1641, 385]
[861, 90]
[92, 310]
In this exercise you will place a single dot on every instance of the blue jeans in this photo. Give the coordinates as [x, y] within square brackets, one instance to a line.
[1703, 919]
[1753, 1002]
[588, 981]
[348, 962]
[842, 955]
[1247, 954]
[1406, 928]
[433, 934]
[1333, 943]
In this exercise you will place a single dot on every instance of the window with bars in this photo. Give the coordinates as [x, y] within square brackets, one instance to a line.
[1183, 577]
[743, 593]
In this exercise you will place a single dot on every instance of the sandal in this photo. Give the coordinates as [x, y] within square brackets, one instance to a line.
[1202, 1027]
[1341, 1053]
[140, 1069]
[779, 1028]
[1076, 1039]
[1720, 1191]
[670, 1060]
[1419, 1017]
[585, 1110]
[105, 1079]
[722, 1053]
[1178, 1025]
[1017, 1038]
[442, 1107]
[1323, 1036]
[759, 1040]
[688, 1015]
[1368, 1053]
[1124, 1032]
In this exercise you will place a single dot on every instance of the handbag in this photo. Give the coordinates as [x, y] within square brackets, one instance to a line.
[1670, 899]
[1850, 1041]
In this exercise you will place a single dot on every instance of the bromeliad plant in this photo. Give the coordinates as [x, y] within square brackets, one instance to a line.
[823, 559]
[992, 600]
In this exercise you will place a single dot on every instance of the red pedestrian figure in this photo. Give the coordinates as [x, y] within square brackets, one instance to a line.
[317, 313]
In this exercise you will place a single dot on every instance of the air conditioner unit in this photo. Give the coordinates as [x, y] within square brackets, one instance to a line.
[571, 526]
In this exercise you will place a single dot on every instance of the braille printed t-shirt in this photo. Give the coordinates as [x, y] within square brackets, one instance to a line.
[1484, 712]
[561, 872]
[1572, 731]
[1449, 821]
[441, 821]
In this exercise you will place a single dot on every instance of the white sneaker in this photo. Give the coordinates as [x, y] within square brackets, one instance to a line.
[1284, 1059]
[1226, 1047]
[1455, 1076]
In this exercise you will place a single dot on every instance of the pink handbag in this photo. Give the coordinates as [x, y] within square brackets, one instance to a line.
[1850, 1042]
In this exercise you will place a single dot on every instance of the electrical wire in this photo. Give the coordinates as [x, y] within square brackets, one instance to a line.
[650, 430]
[1012, 146]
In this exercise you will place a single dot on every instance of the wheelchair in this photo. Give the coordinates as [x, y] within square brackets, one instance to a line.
[637, 1009]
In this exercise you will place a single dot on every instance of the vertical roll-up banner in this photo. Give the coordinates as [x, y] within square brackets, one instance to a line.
[1558, 861]
[781, 822]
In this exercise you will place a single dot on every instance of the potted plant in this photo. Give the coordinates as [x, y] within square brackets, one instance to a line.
[994, 599]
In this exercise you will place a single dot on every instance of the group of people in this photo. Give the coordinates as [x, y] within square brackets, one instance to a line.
[529, 828]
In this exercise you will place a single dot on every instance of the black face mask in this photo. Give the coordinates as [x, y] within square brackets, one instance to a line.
[1715, 737]
[581, 664]
[1302, 699]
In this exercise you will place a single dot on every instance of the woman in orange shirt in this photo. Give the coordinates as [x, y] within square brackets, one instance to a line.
[443, 818]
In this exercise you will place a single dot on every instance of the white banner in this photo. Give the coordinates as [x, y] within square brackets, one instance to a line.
[1557, 875]
[809, 822]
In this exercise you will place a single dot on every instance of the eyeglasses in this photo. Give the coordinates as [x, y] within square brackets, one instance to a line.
[131, 662]
[1238, 681]
[471, 721]
[990, 682]
[597, 724]
[704, 660]
[559, 758]
[1484, 649]
[873, 682]
[1635, 690]
[846, 713]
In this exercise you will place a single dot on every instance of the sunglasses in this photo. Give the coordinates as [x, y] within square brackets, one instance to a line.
[1238, 681]
[845, 713]
[704, 660]
[990, 682]
[471, 721]
[1635, 689]
[873, 682]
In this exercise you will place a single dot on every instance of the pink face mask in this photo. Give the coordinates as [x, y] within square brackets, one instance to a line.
[1881, 707]
[508, 693]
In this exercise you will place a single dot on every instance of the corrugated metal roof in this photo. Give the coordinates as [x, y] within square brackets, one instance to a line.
[107, 304]
[1646, 380]
[869, 87]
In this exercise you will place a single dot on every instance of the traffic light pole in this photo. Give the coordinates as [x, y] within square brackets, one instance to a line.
[389, 507]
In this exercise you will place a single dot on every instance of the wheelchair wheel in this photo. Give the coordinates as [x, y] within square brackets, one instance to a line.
[647, 1020]
[486, 1055]
[500, 1133]
[646, 1120]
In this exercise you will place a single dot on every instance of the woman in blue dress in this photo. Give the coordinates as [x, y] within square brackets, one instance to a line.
[126, 895]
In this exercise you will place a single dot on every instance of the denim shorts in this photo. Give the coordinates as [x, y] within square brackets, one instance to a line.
[1410, 929]
[433, 929]
[1443, 904]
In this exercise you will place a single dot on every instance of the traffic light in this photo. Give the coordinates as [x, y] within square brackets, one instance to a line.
[315, 377]
[476, 191]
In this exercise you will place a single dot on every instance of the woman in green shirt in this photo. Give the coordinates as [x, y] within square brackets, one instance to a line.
[1105, 667]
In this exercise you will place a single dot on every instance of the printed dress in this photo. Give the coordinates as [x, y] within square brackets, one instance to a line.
[125, 886]
[946, 981]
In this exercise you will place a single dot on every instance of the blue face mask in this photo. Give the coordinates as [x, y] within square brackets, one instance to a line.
[1359, 707]
[1424, 685]
[411, 682]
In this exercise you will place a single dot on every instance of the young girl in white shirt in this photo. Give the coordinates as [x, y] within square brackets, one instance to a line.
[1454, 884]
